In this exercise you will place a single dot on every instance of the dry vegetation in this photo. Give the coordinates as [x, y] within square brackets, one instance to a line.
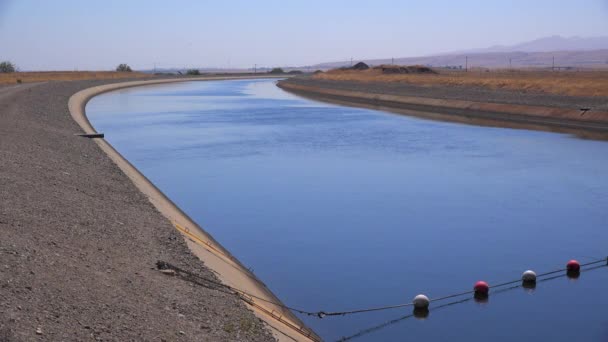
[27, 77]
[575, 83]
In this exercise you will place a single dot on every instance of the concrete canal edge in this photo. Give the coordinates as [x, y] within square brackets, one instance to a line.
[592, 123]
[283, 323]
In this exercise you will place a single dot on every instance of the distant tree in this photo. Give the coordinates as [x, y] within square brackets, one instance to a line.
[123, 68]
[193, 72]
[276, 71]
[6, 67]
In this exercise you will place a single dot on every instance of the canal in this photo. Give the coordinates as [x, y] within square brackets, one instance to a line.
[338, 208]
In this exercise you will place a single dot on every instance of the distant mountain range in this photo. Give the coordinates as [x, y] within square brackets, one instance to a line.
[575, 52]
[553, 43]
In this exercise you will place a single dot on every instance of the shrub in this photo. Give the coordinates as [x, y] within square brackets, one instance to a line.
[193, 72]
[276, 71]
[123, 68]
[7, 66]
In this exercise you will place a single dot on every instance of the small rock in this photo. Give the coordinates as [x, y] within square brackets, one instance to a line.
[168, 272]
[182, 333]
[38, 331]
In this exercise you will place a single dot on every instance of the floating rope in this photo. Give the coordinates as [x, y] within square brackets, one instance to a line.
[321, 314]
[375, 328]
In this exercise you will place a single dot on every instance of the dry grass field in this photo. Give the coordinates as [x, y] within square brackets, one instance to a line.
[574, 83]
[43, 76]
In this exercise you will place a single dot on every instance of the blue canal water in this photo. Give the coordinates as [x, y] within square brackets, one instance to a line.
[338, 208]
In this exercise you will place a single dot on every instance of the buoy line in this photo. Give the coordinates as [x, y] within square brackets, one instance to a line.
[420, 303]
[375, 328]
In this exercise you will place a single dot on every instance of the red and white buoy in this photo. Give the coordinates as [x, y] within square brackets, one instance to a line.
[573, 266]
[421, 302]
[481, 288]
[529, 277]
[421, 306]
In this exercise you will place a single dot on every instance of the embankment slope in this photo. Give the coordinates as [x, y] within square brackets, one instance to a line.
[473, 105]
[228, 269]
[79, 241]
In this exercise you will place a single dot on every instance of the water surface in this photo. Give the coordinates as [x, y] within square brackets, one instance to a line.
[338, 208]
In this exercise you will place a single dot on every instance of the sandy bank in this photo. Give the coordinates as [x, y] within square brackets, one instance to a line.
[506, 109]
[227, 268]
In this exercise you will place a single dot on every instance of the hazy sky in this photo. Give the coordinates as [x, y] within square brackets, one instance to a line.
[88, 34]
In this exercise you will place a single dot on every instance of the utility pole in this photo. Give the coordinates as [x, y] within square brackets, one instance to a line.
[466, 63]
[510, 65]
[553, 64]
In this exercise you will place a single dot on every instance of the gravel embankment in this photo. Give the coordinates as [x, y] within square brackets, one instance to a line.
[583, 116]
[79, 242]
[466, 93]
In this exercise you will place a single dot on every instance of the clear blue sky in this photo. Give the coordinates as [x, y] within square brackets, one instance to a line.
[89, 34]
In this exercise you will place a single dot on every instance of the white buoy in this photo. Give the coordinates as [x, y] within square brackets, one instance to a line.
[529, 277]
[421, 302]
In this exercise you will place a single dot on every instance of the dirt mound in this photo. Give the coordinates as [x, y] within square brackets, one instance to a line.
[408, 69]
[360, 66]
